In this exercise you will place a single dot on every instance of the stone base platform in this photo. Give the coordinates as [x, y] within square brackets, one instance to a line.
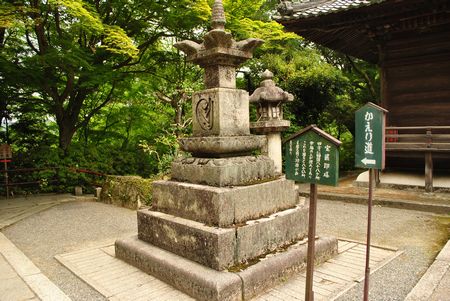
[221, 172]
[224, 206]
[222, 248]
[204, 283]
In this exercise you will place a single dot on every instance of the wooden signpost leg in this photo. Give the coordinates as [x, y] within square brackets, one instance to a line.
[6, 179]
[369, 228]
[309, 293]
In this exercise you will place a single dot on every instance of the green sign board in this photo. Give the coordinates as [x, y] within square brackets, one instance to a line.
[370, 122]
[312, 156]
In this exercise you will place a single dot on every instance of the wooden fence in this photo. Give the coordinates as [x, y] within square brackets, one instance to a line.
[428, 140]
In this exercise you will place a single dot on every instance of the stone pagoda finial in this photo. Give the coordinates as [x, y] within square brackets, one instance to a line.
[219, 54]
[269, 100]
[218, 19]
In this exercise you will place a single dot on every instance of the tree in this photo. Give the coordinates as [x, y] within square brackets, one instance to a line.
[72, 55]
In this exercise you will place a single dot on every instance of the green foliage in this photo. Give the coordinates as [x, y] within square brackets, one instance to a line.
[103, 78]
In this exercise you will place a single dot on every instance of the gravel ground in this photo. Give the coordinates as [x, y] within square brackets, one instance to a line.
[70, 227]
[78, 225]
[420, 235]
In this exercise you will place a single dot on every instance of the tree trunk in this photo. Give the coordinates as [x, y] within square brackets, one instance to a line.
[66, 133]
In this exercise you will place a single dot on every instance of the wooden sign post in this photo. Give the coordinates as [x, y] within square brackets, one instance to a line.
[5, 156]
[312, 156]
[370, 123]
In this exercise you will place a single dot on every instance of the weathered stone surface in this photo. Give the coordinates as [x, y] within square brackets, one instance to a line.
[220, 112]
[212, 247]
[222, 146]
[223, 206]
[192, 278]
[204, 283]
[269, 126]
[221, 248]
[265, 235]
[276, 268]
[234, 171]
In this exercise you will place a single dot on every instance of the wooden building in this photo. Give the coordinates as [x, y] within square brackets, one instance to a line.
[410, 41]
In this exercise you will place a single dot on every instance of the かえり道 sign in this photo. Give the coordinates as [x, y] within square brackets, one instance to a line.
[370, 124]
[312, 156]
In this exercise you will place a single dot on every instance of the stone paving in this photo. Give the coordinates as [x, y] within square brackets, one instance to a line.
[435, 283]
[117, 280]
[21, 279]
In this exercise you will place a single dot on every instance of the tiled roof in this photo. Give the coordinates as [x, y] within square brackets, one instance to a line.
[311, 8]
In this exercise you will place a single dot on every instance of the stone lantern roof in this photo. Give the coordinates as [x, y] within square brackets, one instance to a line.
[269, 100]
[269, 92]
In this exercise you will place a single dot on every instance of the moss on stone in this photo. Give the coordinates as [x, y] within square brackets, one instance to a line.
[130, 192]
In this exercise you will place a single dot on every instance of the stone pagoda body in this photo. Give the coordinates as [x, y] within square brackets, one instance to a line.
[226, 226]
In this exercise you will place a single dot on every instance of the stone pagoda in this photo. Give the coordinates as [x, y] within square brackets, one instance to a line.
[226, 226]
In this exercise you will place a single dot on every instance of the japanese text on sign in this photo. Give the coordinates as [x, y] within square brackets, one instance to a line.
[369, 137]
[311, 158]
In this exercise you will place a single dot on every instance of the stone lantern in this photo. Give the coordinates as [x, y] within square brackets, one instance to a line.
[269, 100]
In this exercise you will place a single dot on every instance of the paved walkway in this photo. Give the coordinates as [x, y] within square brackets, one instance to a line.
[21, 279]
[435, 283]
[117, 280]
[13, 210]
[412, 199]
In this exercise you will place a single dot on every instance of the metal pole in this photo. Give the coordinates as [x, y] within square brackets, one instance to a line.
[309, 293]
[369, 227]
[6, 178]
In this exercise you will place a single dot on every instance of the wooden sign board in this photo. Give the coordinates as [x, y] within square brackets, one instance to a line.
[5, 151]
[312, 156]
[370, 122]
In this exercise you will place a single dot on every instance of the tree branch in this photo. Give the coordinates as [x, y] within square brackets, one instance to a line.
[30, 43]
[88, 117]
[365, 77]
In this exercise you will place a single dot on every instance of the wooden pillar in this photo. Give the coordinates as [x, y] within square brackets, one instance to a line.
[429, 164]
[428, 172]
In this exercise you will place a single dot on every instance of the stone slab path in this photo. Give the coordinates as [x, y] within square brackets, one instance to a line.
[117, 280]
[336, 276]
[20, 279]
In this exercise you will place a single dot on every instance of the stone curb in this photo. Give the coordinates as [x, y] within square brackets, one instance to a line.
[426, 286]
[29, 273]
[426, 207]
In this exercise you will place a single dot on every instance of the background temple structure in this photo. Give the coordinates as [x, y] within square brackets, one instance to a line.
[410, 42]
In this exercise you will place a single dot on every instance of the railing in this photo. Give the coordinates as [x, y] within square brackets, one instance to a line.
[419, 139]
[33, 177]
[427, 140]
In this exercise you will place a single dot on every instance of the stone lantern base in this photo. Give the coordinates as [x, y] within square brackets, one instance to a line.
[223, 243]
[207, 284]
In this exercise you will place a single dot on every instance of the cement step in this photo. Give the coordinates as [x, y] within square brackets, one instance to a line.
[204, 283]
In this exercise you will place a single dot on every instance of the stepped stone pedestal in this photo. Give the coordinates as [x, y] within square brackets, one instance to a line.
[227, 226]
